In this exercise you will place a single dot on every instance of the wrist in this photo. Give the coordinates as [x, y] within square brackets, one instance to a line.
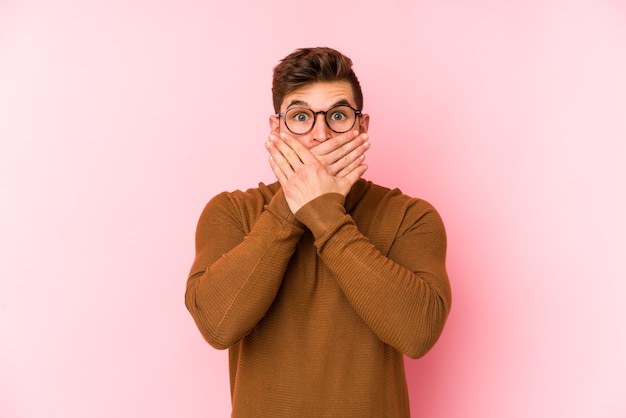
[323, 213]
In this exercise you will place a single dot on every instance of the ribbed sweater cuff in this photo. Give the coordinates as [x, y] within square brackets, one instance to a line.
[278, 206]
[323, 215]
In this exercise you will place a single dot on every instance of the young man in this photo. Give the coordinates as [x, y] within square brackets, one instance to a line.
[319, 283]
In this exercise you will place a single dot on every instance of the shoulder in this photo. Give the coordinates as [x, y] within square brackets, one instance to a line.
[394, 199]
[252, 197]
[241, 206]
[395, 207]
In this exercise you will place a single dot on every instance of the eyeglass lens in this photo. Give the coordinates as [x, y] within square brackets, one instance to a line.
[300, 120]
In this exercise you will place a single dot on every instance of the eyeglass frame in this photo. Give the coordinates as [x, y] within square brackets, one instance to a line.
[357, 113]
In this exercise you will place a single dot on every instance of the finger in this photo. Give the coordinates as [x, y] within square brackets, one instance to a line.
[278, 159]
[351, 167]
[348, 161]
[280, 175]
[294, 149]
[353, 176]
[342, 149]
[282, 152]
[332, 144]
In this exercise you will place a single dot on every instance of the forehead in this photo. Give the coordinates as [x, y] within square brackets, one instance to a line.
[320, 95]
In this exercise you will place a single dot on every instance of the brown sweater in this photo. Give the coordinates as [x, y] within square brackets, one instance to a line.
[318, 308]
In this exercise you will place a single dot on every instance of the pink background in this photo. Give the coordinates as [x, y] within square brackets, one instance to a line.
[120, 119]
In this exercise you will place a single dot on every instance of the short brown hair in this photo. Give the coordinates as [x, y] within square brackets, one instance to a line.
[308, 65]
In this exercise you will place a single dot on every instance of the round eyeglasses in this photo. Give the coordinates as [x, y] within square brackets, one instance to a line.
[300, 120]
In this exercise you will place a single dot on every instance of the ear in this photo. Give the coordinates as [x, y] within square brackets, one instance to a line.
[275, 123]
[364, 122]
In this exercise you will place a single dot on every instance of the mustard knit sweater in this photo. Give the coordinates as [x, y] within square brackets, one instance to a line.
[317, 309]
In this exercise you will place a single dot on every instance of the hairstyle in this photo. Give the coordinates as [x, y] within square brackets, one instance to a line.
[309, 65]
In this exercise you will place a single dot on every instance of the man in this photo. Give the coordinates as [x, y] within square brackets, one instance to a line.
[319, 283]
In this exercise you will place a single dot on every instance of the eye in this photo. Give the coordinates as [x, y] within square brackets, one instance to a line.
[300, 117]
[338, 115]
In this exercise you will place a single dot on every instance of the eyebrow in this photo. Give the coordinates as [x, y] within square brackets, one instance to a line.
[301, 103]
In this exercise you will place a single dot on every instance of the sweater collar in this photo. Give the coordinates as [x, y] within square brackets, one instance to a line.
[356, 194]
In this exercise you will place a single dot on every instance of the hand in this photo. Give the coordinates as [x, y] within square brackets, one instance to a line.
[304, 177]
[341, 154]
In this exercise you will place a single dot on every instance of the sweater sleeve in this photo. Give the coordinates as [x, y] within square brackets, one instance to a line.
[236, 273]
[403, 296]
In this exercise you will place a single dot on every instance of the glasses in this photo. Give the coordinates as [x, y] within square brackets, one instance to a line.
[300, 120]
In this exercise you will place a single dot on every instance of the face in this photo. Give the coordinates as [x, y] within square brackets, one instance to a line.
[319, 96]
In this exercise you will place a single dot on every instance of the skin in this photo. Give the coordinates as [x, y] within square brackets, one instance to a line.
[321, 161]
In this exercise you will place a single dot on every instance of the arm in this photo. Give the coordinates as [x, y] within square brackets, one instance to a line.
[236, 273]
[405, 297]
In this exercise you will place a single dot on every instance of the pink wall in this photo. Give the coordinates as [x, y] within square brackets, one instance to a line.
[120, 119]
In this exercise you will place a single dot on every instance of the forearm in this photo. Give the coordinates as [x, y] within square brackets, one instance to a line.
[404, 297]
[406, 309]
[230, 289]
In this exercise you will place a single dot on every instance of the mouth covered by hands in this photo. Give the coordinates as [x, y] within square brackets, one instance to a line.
[333, 166]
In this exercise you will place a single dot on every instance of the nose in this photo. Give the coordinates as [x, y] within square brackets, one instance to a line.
[320, 131]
